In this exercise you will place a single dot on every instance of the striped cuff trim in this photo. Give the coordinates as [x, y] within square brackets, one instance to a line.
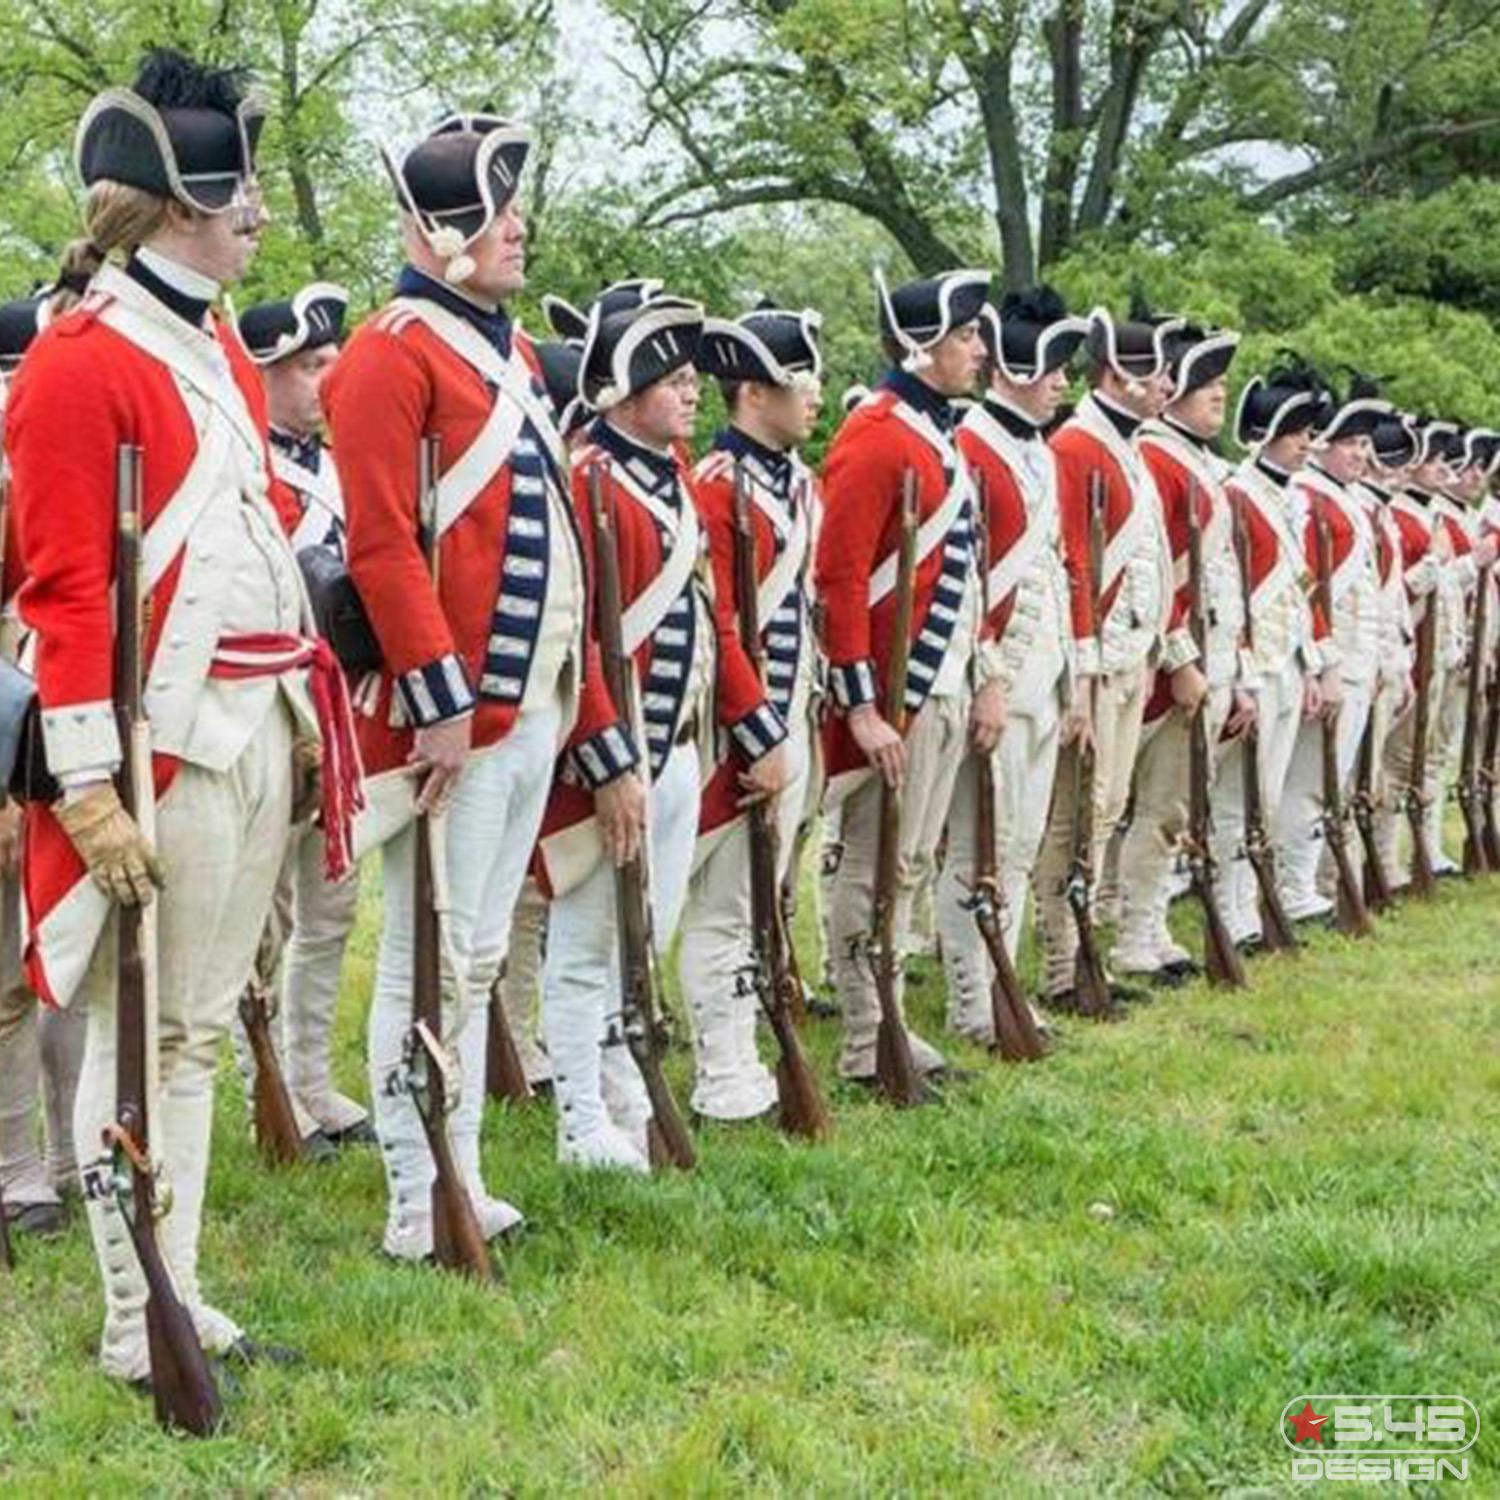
[853, 685]
[759, 732]
[436, 692]
[605, 757]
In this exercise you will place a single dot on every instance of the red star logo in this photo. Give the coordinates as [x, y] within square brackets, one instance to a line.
[1308, 1424]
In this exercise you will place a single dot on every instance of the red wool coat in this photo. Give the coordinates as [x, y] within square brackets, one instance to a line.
[861, 527]
[82, 391]
[395, 382]
[568, 846]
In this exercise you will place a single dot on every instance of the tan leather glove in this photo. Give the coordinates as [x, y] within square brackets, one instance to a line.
[120, 861]
[307, 779]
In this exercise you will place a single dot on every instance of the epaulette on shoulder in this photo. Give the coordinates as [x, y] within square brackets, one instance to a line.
[394, 320]
[79, 318]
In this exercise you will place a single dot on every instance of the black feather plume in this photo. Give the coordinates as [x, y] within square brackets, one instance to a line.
[172, 80]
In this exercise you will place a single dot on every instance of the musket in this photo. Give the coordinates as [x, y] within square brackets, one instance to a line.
[276, 1132]
[458, 1242]
[1276, 928]
[895, 1072]
[1221, 959]
[504, 1074]
[1377, 880]
[645, 1033]
[1016, 1038]
[1353, 917]
[1470, 784]
[1090, 983]
[1423, 882]
[1488, 770]
[182, 1385]
[777, 984]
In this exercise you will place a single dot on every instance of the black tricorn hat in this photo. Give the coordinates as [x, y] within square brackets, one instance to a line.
[20, 322]
[1030, 334]
[572, 323]
[273, 331]
[1358, 412]
[1394, 440]
[769, 346]
[854, 395]
[919, 314]
[561, 364]
[625, 352]
[1480, 447]
[1288, 398]
[1199, 355]
[458, 180]
[1438, 440]
[1135, 347]
[180, 131]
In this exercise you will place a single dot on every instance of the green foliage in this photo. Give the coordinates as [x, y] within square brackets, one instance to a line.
[1294, 1198]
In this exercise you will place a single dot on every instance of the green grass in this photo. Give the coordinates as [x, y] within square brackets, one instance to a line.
[1302, 1196]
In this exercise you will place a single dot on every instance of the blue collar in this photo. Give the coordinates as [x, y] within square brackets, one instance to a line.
[307, 451]
[655, 472]
[774, 468]
[921, 397]
[495, 326]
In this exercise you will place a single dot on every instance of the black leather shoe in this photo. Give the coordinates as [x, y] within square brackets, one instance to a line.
[318, 1148]
[44, 1220]
[361, 1133]
[1066, 1003]
[246, 1351]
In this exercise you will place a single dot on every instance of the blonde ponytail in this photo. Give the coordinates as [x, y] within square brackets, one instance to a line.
[115, 216]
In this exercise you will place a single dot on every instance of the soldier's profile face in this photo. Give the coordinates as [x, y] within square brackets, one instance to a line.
[956, 359]
[499, 255]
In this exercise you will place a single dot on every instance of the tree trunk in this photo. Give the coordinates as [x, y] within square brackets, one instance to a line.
[298, 166]
[1002, 140]
[1063, 30]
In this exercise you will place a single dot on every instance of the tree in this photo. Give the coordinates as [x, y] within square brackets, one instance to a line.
[320, 63]
[1054, 119]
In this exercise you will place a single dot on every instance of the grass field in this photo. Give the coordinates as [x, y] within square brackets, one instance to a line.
[1104, 1274]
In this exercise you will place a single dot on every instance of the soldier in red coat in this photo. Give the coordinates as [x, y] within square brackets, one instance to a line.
[768, 366]
[1178, 450]
[41, 1047]
[1324, 496]
[694, 683]
[488, 672]
[1275, 421]
[1029, 341]
[295, 342]
[930, 332]
[1131, 379]
[169, 167]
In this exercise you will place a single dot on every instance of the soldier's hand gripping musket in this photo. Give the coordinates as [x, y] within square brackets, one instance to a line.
[895, 1071]
[1221, 958]
[668, 1136]
[1090, 980]
[801, 1110]
[458, 1242]
[1276, 926]
[182, 1385]
[1016, 1036]
[1471, 784]
[1353, 917]
[1423, 881]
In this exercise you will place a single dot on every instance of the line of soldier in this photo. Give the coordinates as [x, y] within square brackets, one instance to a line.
[471, 689]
